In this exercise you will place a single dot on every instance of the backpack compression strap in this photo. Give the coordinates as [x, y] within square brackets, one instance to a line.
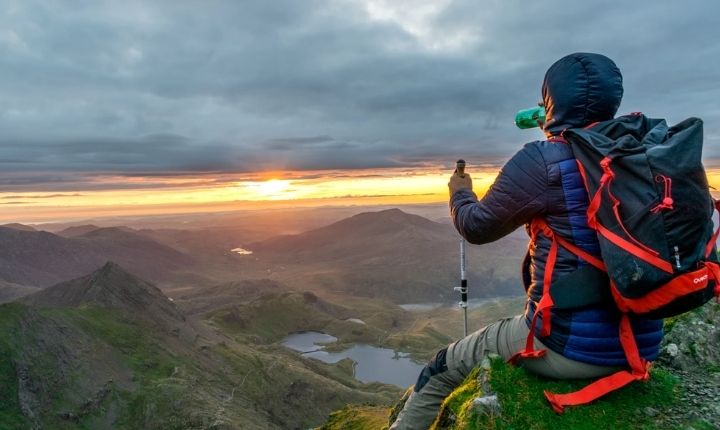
[632, 245]
[680, 285]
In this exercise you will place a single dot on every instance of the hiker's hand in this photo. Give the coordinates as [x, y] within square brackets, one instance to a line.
[458, 183]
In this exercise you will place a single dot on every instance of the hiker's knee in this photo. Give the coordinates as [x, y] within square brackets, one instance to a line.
[503, 337]
[435, 366]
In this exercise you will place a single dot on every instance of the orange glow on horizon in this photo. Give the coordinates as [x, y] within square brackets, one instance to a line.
[205, 193]
[153, 195]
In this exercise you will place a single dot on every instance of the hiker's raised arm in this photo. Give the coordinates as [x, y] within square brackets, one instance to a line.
[517, 195]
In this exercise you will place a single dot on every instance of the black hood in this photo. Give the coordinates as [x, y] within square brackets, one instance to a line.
[580, 89]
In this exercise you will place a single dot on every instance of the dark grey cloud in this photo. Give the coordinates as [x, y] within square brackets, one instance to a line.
[174, 88]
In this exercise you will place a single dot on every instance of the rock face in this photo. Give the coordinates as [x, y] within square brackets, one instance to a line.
[488, 405]
[691, 350]
[692, 341]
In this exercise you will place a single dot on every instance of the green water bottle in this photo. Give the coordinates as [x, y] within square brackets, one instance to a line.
[528, 118]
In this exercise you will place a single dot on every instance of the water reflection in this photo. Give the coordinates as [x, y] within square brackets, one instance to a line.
[372, 364]
[241, 251]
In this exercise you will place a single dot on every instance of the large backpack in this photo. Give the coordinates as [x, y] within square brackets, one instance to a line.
[651, 207]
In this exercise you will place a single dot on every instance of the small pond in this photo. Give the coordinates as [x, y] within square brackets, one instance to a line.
[372, 364]
[241, 251]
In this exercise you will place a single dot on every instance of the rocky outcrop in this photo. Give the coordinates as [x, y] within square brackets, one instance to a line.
[692, 341]
[691, 351]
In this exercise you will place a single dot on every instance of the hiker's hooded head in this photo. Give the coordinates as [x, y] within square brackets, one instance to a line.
[580, 89]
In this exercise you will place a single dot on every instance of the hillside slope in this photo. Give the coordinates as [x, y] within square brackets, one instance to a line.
[95, 353]
[10, 292]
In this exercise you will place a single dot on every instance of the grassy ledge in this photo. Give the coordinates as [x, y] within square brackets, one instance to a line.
[524, 406]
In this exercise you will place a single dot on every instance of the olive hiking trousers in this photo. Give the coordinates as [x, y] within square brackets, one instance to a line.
[451, 365]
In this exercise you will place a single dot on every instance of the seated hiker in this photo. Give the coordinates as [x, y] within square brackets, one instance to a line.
[540, 182]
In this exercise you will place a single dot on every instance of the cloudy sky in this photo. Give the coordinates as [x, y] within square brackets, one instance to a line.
[129, 95]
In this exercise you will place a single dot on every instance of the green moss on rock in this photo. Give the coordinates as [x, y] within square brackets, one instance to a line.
[357, 418]
[524, 406]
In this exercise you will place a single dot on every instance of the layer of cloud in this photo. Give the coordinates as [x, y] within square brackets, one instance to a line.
[164, 88]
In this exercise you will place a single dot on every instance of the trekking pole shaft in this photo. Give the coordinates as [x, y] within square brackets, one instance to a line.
[460, 171]
[463, 285]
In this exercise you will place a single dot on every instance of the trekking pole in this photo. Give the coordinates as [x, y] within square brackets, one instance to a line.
[460, 169]
[463, 285]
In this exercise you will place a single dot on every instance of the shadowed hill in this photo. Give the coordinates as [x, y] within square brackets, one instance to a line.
[131, 249]
[17, 226]
[391, 254]
[40, 258]
[203, 299]
[109, 287]
[370, 233]
[77, 230]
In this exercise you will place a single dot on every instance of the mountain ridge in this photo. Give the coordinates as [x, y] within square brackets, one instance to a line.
[110, 286]
[18, 226]
[41, 258]
[390, 254]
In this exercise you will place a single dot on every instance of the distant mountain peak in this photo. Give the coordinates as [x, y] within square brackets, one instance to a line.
[390, 211]
[78, 230]
[111, 268]
[394, 216]
[115, 231]
[112, 287]
[18, 226]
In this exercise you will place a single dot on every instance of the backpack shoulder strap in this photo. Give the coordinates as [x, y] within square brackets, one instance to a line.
[546, 303]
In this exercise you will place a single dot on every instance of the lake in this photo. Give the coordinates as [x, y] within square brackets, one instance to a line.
[372, 364]
[241, 251]
[472, 304]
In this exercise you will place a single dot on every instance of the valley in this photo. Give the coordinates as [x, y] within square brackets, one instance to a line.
[168, 328]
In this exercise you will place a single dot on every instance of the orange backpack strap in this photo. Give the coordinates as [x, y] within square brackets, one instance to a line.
[546, 301]
[639, 371]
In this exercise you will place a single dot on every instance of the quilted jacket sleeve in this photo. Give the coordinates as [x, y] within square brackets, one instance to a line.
[516, 197]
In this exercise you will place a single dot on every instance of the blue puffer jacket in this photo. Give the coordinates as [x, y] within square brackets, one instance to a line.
[542, 180]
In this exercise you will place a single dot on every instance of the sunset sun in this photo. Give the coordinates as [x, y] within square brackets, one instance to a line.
[274, 188]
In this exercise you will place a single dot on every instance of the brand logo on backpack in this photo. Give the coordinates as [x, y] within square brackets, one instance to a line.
[701, 279]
